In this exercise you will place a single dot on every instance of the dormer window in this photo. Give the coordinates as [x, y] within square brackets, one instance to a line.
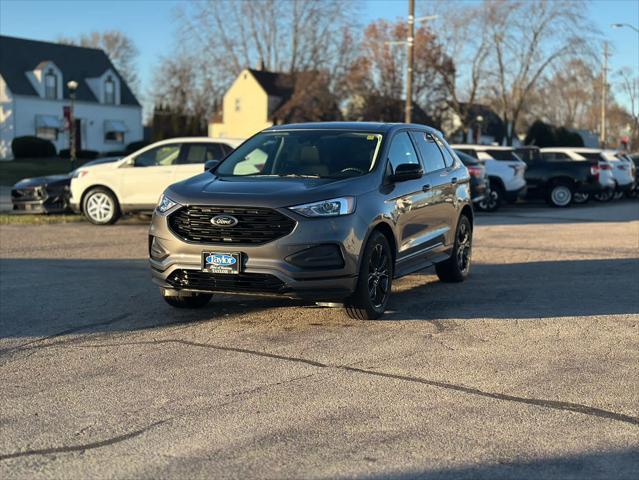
[51, 85]
[109, 91]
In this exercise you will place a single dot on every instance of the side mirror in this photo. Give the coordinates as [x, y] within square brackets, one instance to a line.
[209, 164]
[407, 171]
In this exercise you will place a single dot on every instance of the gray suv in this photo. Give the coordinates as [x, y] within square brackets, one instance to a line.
[329, 212]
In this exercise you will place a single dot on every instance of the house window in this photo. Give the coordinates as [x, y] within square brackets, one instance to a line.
[47, 133]
[47, 126]
[109, 91]
[237, 105]
[51, 85]
[114, 131]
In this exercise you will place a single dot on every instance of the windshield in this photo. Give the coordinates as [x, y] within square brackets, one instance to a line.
[317, 154]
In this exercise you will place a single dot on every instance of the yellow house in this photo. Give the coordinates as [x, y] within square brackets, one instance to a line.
[250, 103]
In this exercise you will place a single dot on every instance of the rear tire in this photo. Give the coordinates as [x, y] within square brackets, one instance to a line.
[457, 267]
[101, 207]
[374, 281]
[491, 202]
[581, 198]
[560, 195]
[197, 300]
[604, 196]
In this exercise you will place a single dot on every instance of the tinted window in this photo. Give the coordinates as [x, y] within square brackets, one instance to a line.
[431, 155]
[448, 158]
[467, 151]
[590, 155]
[202, 152]
[401, 151]
[507, 155]
[159, 156]
[466, 159]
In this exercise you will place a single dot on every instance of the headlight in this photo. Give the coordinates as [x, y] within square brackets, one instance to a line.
[79, 173]
[165, 204]
[326, 208]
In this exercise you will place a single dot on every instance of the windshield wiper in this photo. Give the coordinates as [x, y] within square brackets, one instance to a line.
[296, 175]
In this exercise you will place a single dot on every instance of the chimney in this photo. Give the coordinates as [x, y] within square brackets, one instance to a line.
[260, 64]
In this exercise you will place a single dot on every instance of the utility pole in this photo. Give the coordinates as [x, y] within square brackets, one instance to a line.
[604, 95]
[409, 74]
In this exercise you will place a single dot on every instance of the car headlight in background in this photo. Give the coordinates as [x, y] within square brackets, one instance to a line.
[326, 208]
[165, 204]
[77, 173]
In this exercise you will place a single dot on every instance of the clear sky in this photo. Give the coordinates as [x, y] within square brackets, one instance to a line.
[151, 23]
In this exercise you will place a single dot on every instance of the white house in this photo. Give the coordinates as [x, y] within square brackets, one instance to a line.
[34, 94]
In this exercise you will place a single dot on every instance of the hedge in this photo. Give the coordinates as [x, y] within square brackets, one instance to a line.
[32, 147]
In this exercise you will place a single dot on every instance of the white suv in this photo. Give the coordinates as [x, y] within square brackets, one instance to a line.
[134, 183]
[504, 169]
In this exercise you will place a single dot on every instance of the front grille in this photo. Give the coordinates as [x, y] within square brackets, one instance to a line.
[241, 282]
[255, 225]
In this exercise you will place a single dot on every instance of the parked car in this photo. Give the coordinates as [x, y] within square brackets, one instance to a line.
[48, 194]
[479, 189]
[336, 211]
[559, 180]
[622, 171]
[505, 172]
[634, 158]
[606, 177]
[134, 184]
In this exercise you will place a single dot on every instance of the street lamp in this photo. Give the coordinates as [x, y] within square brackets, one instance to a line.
[480, 120]
[72, 85]
[621, 25]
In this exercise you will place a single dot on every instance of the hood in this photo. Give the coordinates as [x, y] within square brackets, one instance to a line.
[43, 181]
[209, 189]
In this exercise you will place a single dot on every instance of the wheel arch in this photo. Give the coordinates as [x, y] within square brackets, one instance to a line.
[385, 229]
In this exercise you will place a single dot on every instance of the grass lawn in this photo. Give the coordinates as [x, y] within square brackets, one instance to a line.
[13, 170]
[26, 219]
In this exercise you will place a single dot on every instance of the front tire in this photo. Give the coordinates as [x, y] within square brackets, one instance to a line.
[196, 300]
[457, 267]
[101, 207]
[560, 195]
[374, 281]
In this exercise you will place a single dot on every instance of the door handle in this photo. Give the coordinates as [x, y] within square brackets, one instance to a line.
[426, 188]
[453, 180]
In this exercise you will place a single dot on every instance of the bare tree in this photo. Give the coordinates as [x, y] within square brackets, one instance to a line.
[465, 39]
[118, 46]
[376, 77]
[629, 86]
[292, 36]
[527, 38]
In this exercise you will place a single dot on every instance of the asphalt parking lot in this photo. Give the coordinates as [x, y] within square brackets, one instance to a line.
[528, 370]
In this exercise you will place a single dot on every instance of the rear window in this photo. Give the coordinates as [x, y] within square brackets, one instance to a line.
[590, 155]
[468, 151]
[465, 158]
[505, 155]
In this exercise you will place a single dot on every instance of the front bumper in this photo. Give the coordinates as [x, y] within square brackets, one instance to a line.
[266, 269]
[39, 200]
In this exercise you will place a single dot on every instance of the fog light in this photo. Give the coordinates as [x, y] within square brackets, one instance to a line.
[156, 250]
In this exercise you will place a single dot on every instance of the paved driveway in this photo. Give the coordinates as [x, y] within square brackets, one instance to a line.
[527, 370]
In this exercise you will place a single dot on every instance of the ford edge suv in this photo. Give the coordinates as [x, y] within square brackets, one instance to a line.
[329, 212]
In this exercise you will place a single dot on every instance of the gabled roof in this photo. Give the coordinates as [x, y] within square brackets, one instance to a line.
[19, 55]
[275, 84]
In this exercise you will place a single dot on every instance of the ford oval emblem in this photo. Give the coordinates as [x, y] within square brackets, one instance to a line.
[224, 221]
